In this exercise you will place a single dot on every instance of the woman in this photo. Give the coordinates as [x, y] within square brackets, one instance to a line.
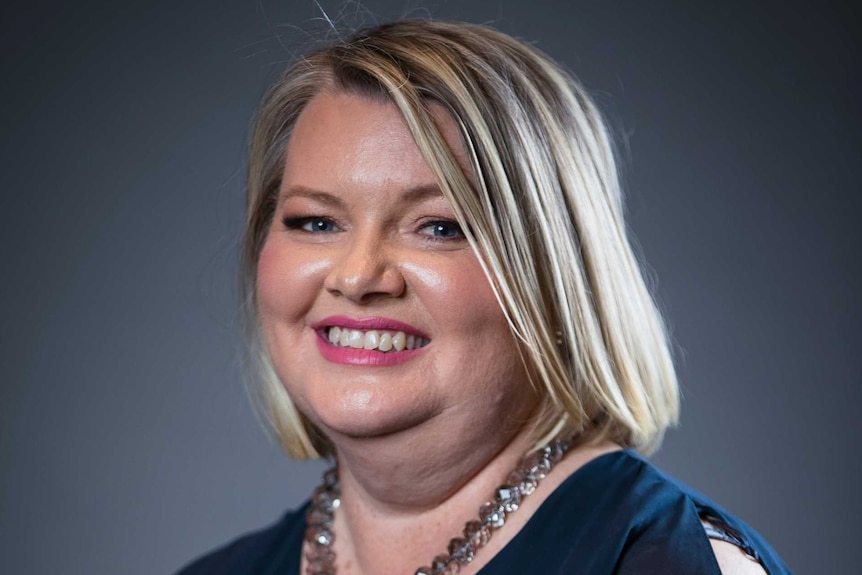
[443, 300]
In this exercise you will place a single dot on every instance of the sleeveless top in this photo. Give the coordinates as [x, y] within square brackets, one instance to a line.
[615, 515]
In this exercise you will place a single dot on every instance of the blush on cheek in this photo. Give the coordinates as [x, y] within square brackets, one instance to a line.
[289, 277]
[288, 266]
[429, 277]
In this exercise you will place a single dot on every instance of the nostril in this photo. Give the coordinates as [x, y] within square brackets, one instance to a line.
[364, 277]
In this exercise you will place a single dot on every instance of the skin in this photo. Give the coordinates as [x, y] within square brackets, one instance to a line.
[420, 443]
[361, 230]
[364, 240]
[733, 561]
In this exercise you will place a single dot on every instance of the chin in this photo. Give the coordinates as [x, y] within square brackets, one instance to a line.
[361, 415]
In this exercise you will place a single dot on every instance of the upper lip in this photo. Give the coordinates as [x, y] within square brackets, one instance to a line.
[368, 323]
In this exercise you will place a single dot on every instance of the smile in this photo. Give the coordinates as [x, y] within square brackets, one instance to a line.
[377, 340]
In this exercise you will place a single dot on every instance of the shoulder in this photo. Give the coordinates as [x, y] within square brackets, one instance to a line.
[663, 530]
[615, 514]
[252, 551]
[734, 561]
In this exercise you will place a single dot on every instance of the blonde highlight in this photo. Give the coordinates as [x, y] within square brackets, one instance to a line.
[542, 208]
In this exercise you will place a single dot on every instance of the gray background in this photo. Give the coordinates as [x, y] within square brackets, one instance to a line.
[127, 445]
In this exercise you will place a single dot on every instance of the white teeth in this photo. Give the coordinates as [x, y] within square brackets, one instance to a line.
[374, 339]
[357, 339]
[385, 342]
[344, 338]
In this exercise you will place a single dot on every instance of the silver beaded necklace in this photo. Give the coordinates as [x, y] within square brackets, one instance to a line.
[522, 482]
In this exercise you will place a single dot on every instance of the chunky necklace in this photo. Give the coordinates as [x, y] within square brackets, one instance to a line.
[492, 514]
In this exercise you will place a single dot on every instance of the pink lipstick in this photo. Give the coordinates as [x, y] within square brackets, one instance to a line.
[369, 341]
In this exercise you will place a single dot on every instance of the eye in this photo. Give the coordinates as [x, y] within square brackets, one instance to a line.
[310, 224]
[443, 230]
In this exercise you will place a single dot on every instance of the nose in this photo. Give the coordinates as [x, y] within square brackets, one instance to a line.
[365, 270]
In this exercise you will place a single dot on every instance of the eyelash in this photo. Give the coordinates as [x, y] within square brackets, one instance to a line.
[300, 223]
[447, 224]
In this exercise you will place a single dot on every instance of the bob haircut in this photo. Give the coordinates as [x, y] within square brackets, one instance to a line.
[542, 210]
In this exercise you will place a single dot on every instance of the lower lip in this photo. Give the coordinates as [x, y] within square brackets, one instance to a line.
[367, 357]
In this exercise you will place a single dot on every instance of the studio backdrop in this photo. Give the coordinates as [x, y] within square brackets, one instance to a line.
[127, 443]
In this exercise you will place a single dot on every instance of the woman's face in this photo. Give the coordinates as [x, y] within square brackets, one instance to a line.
[374, 308]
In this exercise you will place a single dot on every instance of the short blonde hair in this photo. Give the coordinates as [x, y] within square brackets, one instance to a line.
[542, 210]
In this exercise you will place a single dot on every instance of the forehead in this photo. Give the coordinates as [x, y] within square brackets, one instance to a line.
[348, 142]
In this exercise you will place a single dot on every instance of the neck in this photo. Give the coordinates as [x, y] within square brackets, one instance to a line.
[413, 492]
[397, 539]
[399, 475]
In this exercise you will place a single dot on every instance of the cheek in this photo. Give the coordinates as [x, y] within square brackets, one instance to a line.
[463, 306]
[471, 302]
[288, 281]
[483, 347]
[272, 280]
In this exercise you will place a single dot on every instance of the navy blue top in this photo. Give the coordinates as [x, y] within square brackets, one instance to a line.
[616, 515]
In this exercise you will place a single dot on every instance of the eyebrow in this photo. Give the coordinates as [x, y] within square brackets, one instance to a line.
[412, 194]
[310, 193]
